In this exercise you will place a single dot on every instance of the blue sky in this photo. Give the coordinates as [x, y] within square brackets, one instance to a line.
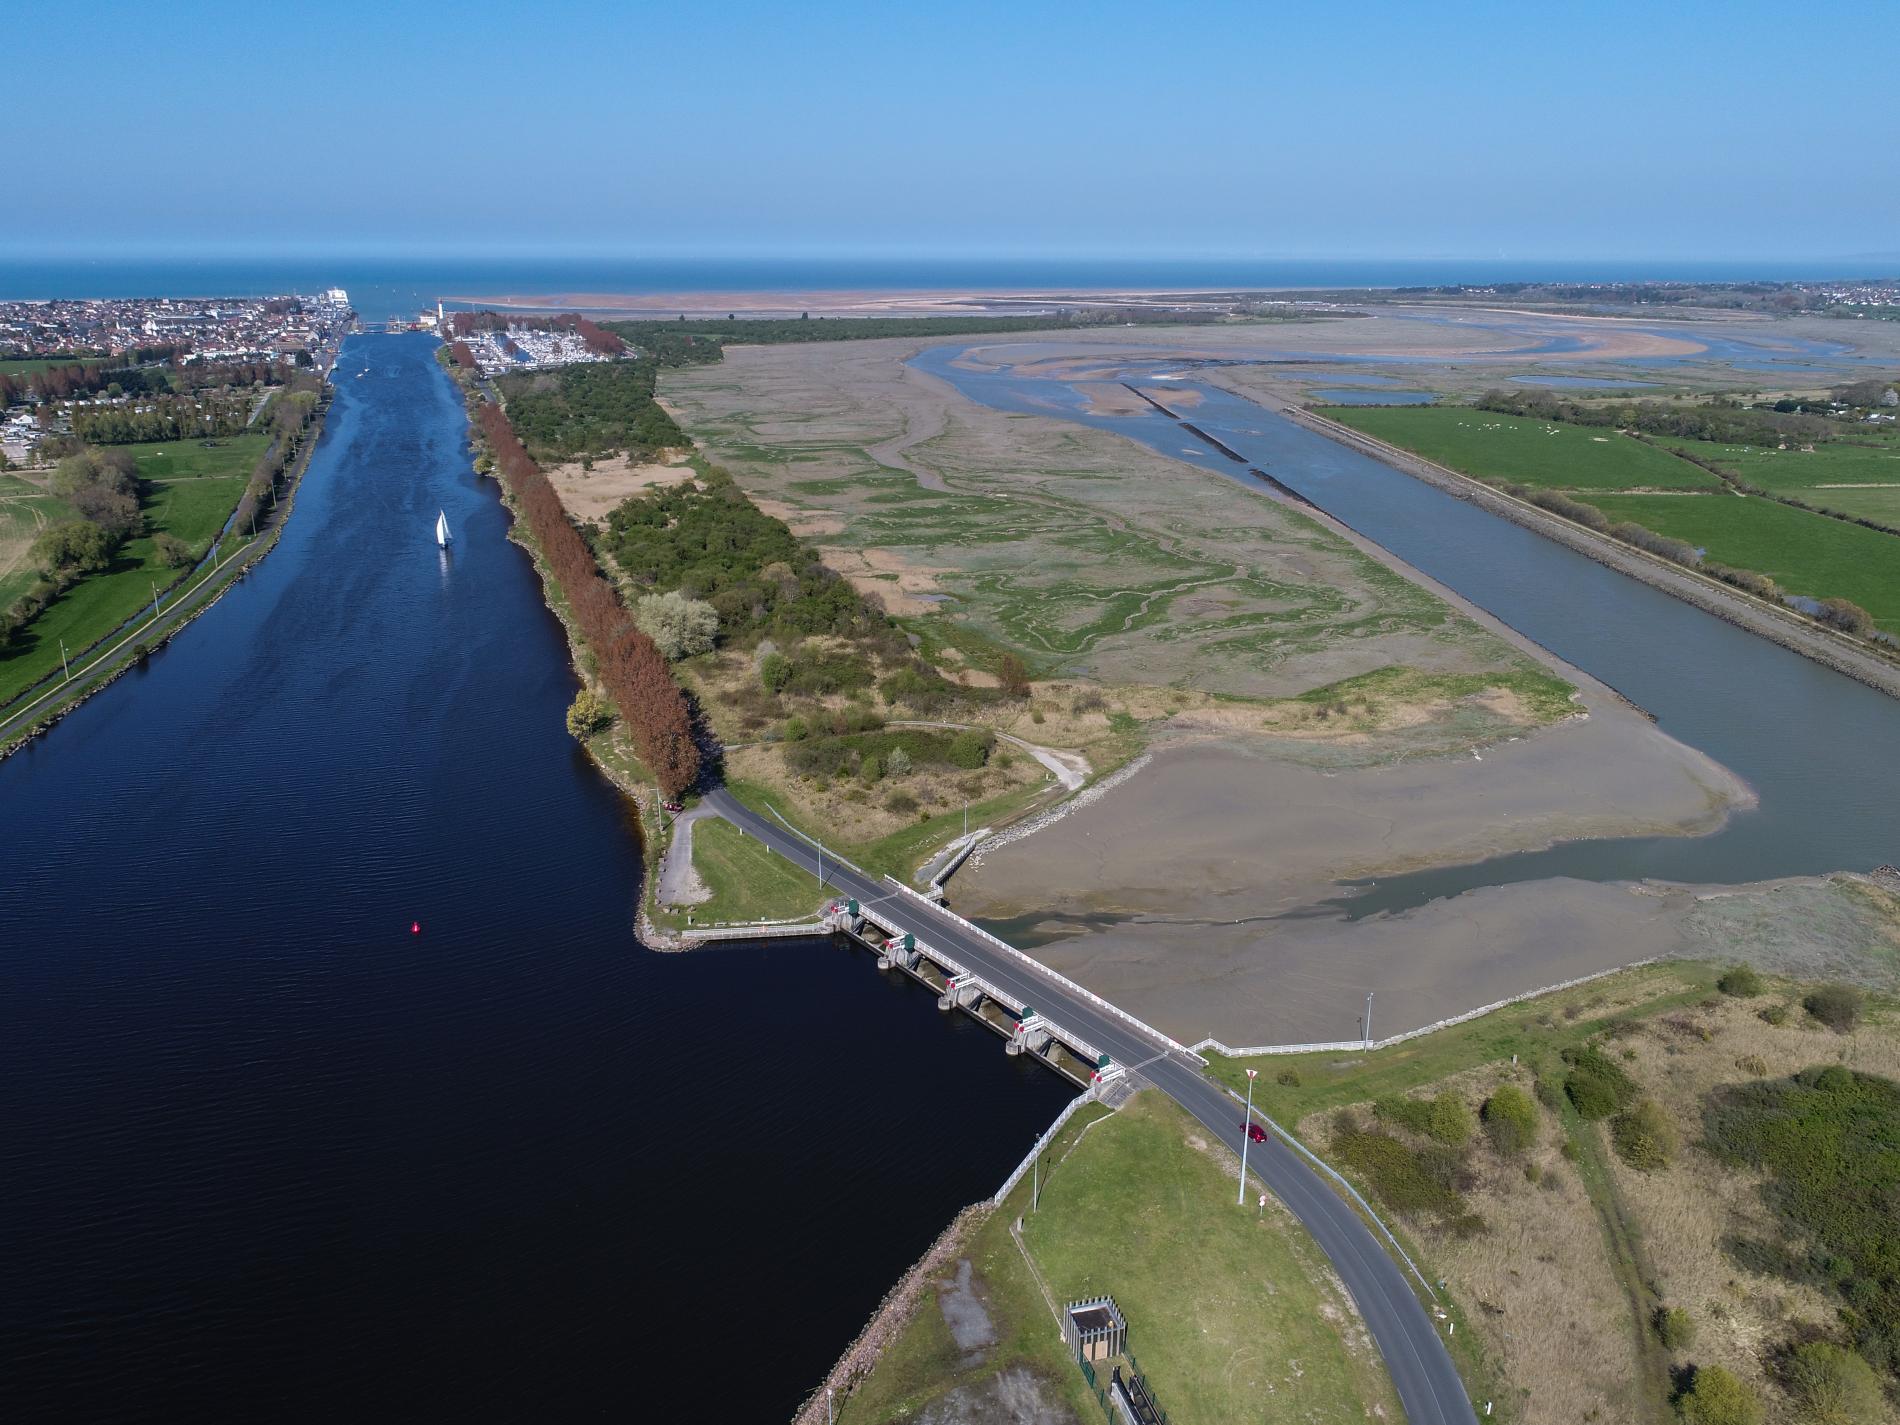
[1606, 129]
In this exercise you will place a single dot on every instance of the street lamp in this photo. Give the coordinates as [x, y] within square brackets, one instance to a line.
[1246, 1133]
[829, 1417]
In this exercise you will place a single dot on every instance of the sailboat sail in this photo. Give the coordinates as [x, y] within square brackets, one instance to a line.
[442, 528]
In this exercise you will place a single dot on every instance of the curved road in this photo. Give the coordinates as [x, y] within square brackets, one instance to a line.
[1428, 1384]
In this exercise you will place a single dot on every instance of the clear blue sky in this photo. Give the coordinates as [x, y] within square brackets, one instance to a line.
[1427, 128]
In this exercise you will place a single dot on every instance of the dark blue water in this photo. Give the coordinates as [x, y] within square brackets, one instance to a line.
[388, 286]
[1810, 741]
[265, 1154]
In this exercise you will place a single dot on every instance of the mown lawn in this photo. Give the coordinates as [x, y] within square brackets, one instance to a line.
[192, 490]
[1542, 454]
[748, 881]
[1805, 553]
[1229, 1313]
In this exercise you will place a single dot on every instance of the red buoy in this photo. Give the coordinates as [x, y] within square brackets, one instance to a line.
[415, 927]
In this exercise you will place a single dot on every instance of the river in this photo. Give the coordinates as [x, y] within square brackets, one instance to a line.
[268, 1153]
[1816, 746]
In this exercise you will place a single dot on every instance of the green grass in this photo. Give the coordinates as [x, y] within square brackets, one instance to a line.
[1546, 696]
[748, 881]
[1226, 1309]
[1543, 454]
[1536, 1030]
[1805, 553]
[192, 492]
[1803, 473]
[901, 852]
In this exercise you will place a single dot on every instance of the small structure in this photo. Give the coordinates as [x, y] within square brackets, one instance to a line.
[1095, 1329]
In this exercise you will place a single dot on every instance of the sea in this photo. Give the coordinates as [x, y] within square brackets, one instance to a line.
[397, 285]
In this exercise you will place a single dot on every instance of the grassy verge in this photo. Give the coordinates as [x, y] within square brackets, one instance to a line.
[1537, 1031]
[747, 881]
[900, 853]
[1228, 1311]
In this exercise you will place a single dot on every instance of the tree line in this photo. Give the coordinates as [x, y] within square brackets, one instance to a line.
[1722, 421]
[589, 408]
[163, 418]
[701, 341]
[630, 665]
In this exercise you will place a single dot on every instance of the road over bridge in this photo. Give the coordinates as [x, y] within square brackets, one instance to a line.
[1407, 1337]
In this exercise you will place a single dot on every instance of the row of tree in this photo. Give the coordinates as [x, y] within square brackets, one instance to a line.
[1724, 421]
[163, 418]
[630, 665]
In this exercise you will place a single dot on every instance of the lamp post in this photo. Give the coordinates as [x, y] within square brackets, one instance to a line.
[1368, 1043]
[829, 1417]
[1246, 1135]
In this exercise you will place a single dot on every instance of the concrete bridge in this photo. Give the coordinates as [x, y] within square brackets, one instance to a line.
[1063, 1023]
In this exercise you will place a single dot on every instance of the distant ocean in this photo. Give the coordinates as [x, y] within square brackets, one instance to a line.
[382, 288]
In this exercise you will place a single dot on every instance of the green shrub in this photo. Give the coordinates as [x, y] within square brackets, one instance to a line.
[1828, 1141]
[1715, 1397]
[1644, 1137]
[796, 729]
[1753, 1064]
[587, 714]
[898, 764]
[1450, 1121]
[1596, 1085]
[1289, 1077]
[775, 671]
[971, 749]
[1510, 1120]
[1405, 1180]
[1411, 1114]
[1832, 1386]
[901, 803]
[1742, 981]
[1836, 1006]
[1549, 1093]
[1775, 1014]
[1674, 1328]
[872, 771]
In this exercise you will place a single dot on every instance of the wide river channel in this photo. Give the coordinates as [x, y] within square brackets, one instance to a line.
[1817, 747]
[267, 1154]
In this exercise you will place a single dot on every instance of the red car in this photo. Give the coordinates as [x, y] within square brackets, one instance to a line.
[1255, 1132]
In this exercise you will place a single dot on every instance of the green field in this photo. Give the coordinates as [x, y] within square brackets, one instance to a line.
[191, 491]
[748, 881]
[1544, 454]
[25, 510]
[1228, 1310]
[1873, 471]
[1805, 553]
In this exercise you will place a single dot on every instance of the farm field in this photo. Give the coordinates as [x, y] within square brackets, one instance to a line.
[1805, 553]
[1142, 1209]
[25, 510]
[1543, 454]
[191, 491]
[1855, 479]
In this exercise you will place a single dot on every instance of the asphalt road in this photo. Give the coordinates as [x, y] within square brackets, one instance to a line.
[1415, 1356]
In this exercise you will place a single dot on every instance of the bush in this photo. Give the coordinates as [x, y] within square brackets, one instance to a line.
[1595, 1085]
[1832, 1386]
[872, 771]
[1742, 981]
[172, 550]
[1836, 1006]
[901, 803]
[1412, 1114]
[775, 671]
[1450, 1121]
[1674, 1328]
[1644, 1137]
[1510, 1120]
[587, 714]
[1775, 1014]
[1715, 1397]
[1289, 1077]
[898, 764]
[796, 729]
[1012, 676]
[971, 749]
[680, 626]
[1404, 1180]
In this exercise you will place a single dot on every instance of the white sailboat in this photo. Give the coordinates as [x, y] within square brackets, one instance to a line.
[442, 529]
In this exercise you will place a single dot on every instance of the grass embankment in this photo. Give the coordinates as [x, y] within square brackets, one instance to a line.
[1805, 553]
[1862, 480]
[1676, 1151]
[1230, 1313]
[191, 487]
[748, 881]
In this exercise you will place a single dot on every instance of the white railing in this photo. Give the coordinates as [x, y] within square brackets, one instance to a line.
[1338, 1046]
[1042, 1143]
[1032, 963]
